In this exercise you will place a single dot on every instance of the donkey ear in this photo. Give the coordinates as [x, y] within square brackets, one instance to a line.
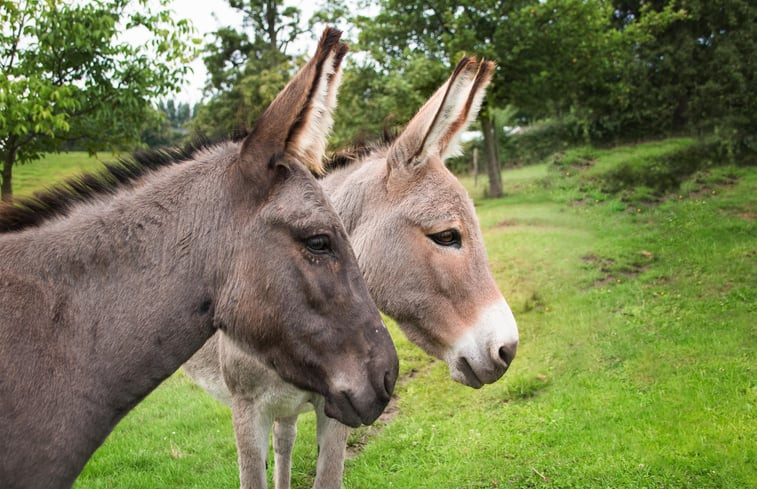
[436, 128]
[298, 121]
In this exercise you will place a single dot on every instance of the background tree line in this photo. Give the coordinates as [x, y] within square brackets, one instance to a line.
[570, 71]
[594, 71]
[69, 78]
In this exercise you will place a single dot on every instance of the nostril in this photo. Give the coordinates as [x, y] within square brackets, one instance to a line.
[506, 354]
[388, 383]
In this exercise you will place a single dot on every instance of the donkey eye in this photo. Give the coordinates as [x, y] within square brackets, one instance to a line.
[318, 244]
[448, 237]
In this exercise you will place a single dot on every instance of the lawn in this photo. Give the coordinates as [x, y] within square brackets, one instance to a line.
[636, 365]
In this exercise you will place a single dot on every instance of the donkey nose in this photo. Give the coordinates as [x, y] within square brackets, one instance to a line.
[389, 380]
[507, 354]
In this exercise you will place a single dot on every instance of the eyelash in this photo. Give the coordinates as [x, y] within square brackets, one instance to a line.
[448, 237]
[318, 244]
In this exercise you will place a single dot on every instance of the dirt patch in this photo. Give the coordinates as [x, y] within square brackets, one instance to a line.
[609, 280]
[615, 271]
[530, 223]
[592, 258]
[506, 223]
[582, 164]
[710, 185]
[581, 202]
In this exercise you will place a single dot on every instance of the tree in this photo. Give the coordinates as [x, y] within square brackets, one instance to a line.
[247, 69]
[68, 75]
[445, 30]
[168, 126]
[373, 100]
[695, 71]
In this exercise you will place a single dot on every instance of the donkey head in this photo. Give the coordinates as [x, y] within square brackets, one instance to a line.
[309, 316]
[431, 271]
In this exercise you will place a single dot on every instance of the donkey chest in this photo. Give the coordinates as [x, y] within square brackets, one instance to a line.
[273, 395]
[281, 399]
[246, 377]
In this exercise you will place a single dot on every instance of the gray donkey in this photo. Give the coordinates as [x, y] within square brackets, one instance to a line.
[107, 288]
[418, 242]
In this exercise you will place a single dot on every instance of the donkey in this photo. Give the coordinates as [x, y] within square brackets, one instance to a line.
[418, 242]
[106, 289]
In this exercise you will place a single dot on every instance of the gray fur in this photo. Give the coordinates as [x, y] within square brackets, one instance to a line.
[102, 303]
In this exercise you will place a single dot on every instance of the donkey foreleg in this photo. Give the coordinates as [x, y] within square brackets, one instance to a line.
[251, 430]
[332, 448]
[284, 434]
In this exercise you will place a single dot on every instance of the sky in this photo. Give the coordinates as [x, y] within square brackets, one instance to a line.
[207, 16]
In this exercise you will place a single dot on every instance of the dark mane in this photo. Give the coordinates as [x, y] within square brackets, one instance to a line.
[357, 150]
[58, 200]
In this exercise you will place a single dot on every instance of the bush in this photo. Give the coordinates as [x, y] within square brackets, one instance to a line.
[660, 173]
[540, 140]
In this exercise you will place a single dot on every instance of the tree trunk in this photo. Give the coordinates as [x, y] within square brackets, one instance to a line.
[6, 189]
[492, 157]
[475, 167]
[270, 16]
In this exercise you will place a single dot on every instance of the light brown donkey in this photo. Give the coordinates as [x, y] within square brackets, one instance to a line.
[418, 242]
[107, 287]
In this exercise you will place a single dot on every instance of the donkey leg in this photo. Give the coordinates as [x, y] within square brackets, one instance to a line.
[332, 448]
[251, 430]
[284, 434]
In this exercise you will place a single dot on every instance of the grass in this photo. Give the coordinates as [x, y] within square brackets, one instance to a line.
[34, 176]
[636, 366]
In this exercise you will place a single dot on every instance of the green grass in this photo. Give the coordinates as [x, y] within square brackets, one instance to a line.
[636, 366]
[34, 176]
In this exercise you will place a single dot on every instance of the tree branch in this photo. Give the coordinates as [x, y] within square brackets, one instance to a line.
[16, 39]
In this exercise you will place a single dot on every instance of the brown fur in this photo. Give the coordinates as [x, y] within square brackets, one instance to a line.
[100, 303]
[391, 199]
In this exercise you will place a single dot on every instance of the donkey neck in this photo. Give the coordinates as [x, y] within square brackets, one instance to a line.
[134, 269]
[126, 294]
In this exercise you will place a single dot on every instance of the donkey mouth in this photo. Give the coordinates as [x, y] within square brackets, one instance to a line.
[469, 376]
[346, 410]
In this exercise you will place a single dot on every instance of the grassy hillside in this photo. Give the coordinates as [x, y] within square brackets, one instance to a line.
[636, 368]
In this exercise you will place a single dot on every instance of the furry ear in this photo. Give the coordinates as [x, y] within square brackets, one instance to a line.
[298, 121]
[436, 128]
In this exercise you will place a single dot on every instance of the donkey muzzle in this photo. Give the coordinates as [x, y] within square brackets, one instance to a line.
[354, 408]
[360, 396]
[484, 353]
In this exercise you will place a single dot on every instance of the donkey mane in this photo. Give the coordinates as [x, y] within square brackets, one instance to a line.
[358, 149]
[58, 200]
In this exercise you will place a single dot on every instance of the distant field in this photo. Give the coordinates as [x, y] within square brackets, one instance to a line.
[34, 176]
[637, 312]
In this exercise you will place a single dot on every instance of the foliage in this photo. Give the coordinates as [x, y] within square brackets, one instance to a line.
[248, 68]
[442, 31]
[68, 75]
[372, 101]
[549, 53]
[615, 70]
[169, 124]
[628, 70]
[694, 74]
[643, 174]
[540, 139]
